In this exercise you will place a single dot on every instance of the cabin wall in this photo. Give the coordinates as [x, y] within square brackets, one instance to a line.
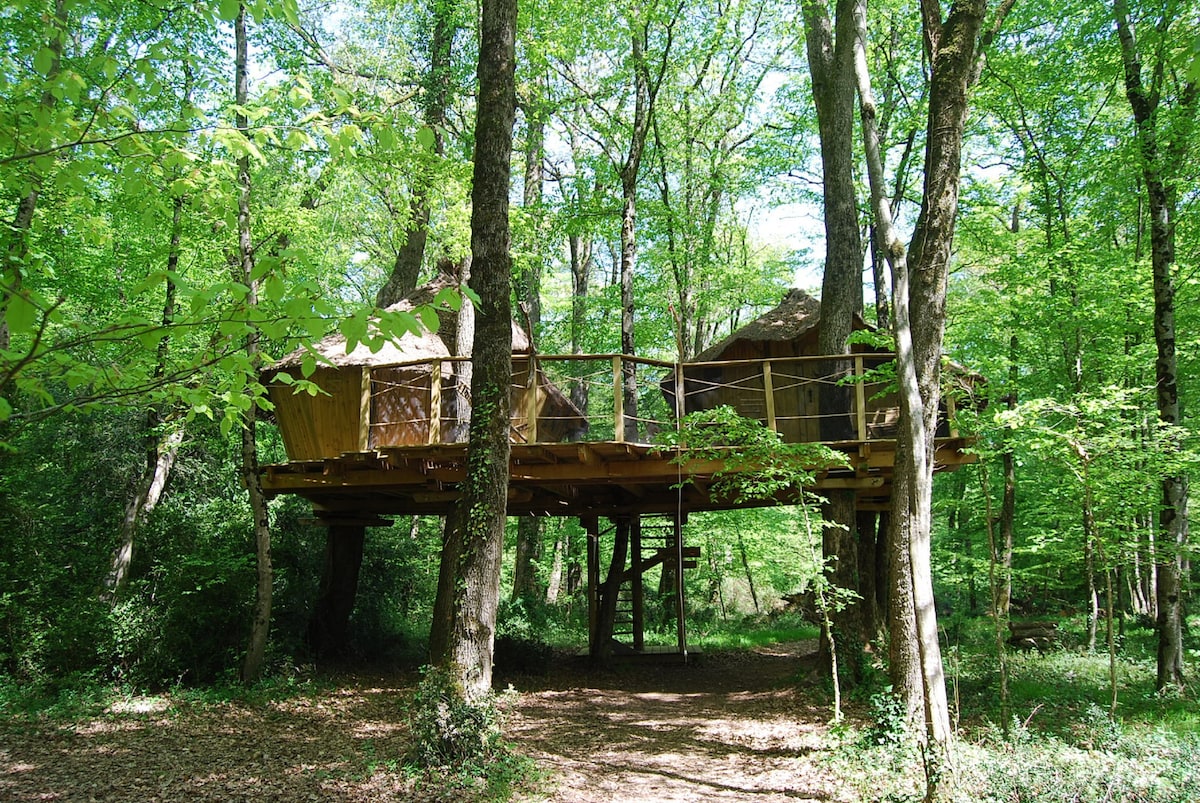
[325, 425]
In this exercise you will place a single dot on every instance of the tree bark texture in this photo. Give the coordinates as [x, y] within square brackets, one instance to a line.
[919, 282]
[1157, 161]
[485, 487]
[830, 46]
[831, 62]
[260, 626]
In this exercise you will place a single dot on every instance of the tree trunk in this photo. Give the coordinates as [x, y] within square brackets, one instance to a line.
[919, 313]
[476, 590]
[406, 269]
[528, 293]
[1008, 505]
[606, 619]
[581, 268]
[1090, 544]
[328, 630]
[150, 487]
[645, 91]
[529, 551]
[831, 62]
[260, 626]
[441, 628]
[746, 569]
[161, 450]
[1161, 193]
[557, 559]
[16, 233]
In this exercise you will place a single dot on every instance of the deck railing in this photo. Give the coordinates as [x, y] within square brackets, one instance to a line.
[621, 398]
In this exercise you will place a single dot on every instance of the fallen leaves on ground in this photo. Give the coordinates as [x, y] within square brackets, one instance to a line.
[721, 728]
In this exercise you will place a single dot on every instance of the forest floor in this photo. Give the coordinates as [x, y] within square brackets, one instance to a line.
[730, 726]
[725, 727]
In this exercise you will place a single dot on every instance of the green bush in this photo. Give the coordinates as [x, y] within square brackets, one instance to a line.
[447, 729]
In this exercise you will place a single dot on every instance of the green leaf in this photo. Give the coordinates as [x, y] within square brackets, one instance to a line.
[43, 62]
[21, 314]
[429, 318]
[291, 12]
[449, 297]
[228, 9]
[5, 409]
[425, 138]
[308, 365]
[274, 287]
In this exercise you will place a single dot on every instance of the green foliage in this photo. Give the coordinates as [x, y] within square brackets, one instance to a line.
[525, 629]
[889, 721]
[456, 744]
[447, 729]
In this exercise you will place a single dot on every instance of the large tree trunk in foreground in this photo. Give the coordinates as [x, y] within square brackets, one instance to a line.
[831, 62]
[919, 313]
[1148, 114]
[476, 589]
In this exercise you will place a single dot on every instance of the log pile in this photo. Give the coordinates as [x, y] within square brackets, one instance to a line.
[1038, 636]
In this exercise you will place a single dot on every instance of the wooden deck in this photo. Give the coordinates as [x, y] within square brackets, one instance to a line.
[604, 478]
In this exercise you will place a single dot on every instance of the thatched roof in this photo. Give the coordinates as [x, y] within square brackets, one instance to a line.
[795, 316]
[410, 347]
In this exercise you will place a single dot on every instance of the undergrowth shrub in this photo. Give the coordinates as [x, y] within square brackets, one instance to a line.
[448, 730]
[889, 727]
[457, 746]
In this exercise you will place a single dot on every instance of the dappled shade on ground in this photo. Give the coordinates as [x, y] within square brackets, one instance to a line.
[725, 727]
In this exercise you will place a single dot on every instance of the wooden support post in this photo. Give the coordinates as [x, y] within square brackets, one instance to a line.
[680, 621]
[638, 592]
[364, 411]
[951, 414]
[531, 402]
[769, 393]
[618, 401]
[860, 399]
[592, 526]
[435, 402]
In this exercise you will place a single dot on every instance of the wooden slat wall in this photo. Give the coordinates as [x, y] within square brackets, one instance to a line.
[314, 427]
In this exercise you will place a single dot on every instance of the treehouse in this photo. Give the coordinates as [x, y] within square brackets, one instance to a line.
[387, 437]
[409, 392]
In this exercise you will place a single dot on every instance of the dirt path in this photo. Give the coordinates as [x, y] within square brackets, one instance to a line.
[726, 727]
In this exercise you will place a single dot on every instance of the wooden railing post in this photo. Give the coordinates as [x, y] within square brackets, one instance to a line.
[680, 393]
[531, 401]
[435, 402]
[364, 411]
[769, 392]
[618, 401]
[860, 399]
[951, 414]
